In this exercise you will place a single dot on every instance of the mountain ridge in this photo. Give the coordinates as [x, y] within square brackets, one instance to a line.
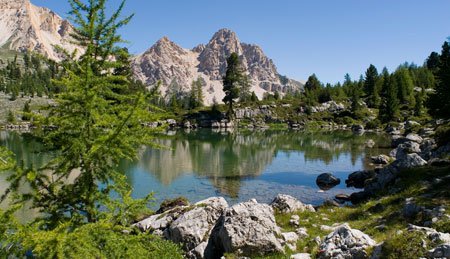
[171, 64]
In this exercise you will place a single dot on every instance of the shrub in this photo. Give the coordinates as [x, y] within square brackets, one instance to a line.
[373, 124]
[443, 134]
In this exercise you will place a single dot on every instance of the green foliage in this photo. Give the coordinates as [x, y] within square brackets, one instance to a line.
[439, 102]
[443, 134]
[26, 112]
[389, 109]
[196, 95]
[11, 118]
[405, 245]
[233, 82]
[370, 86]
[94, 240]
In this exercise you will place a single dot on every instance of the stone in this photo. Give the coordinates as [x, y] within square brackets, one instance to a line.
[301, 256]
[345, 242]
[433, 235]
[380, 160]
[191, 228]
[302, 232]
[295, 220]
[290, 239]
[171, 122]
[410, 161]
[326, 181]
[369, 143]
[441, 251]
[248, 228]
[160, 222]
[358, 179]
[358, 197]
[288, 204]
[407, 147]
[411, 209]
[358, 129]
[342, 197]
[414, 137]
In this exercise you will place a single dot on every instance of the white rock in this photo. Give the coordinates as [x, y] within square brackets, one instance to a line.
[249, 228]
[345, 242]
[288, 204]
[301, 256]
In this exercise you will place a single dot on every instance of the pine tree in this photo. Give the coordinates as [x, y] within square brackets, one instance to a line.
[405, 86]
[26, 112]
[439, 102]
[370, 87]
[233, 80]
[389, 109]
[11, 118]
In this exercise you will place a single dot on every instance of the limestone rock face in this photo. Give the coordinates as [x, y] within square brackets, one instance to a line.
[288, 204]
[194, 226]
[26, 27]
[345, 242]
[177, 67]
[249, 228]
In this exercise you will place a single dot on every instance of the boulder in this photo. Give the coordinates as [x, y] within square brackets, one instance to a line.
[295, 220]
[248, 228]
[408, 147]
[369, 143]
[411, 209]
[358, 129]
[288, 204]
[171, 122]
[433, 235]
[345, 242]
[191, 228]
[358, 179]
[380, 160]
[326, 181]
[439, 162]
[410, 161]
[160, 222]
[290, 240]
[301, 256]
[414, 137]
[302, 232]
[441, 251]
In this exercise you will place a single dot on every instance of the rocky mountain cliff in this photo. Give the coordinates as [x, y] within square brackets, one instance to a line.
[174, 65]
[26, 27]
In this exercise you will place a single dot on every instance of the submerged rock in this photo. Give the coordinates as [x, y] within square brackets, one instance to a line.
[326, 181]
[288, 204]
[345, 242]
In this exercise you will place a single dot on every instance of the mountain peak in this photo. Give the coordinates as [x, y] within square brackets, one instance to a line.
[224, 35]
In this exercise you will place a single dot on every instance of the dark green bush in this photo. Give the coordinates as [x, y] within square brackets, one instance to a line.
[443, 134]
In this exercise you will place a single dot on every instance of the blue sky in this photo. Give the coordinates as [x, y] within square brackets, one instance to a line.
[329, 38]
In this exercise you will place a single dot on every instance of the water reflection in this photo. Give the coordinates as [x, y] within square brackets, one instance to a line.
[237, 165]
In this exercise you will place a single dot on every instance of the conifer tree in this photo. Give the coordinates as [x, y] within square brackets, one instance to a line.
[439, 102]
[389, 109]
[233, 80]
[94, 126]
[370, 87]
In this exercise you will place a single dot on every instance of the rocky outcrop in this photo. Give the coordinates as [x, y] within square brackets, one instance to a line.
[288, 204]
[345, 242]
[26, 27]
[249, 228]
[177, 67]
[210, 228]
[441, 251]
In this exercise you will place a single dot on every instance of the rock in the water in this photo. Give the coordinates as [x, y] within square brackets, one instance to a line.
[248, 228]
[370, 143]
[380, 160]
[358, 129]
[358, 179]
[326, 181]
[342, 197]
[301, 256]
[441, 251]
[345, 242]
[408, 147]
[288, 204]
[191, 228]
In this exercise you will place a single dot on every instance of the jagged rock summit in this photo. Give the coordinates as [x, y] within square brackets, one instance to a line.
[26, 27]
[175, 66]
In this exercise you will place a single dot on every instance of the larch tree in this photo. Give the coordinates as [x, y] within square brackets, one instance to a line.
[93, 127]
[233, 80]
[439, 102]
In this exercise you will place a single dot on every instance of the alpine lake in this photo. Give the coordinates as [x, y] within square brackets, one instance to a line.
[238, 165]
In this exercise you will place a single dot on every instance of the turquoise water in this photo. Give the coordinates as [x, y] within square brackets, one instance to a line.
[238, 166]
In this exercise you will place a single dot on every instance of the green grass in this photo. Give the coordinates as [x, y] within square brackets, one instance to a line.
[385, 209]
